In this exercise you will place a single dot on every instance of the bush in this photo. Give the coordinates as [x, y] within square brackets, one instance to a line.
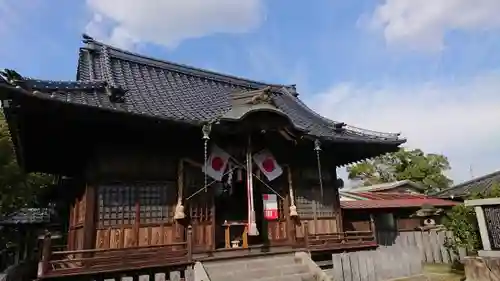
[462, 222]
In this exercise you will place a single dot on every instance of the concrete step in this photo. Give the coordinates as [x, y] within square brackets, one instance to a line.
[251, 274]
[250, 263]
[292, 277]
[266, 268]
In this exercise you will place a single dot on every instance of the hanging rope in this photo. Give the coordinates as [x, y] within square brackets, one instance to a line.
[317, 148]
[210, 183]
[237, 165]
[179, 208]
[265, 184]
[206, 129]
[293, 208]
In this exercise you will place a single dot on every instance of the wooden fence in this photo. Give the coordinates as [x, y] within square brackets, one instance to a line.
[376, 265]
[399, 255]
[431, 244]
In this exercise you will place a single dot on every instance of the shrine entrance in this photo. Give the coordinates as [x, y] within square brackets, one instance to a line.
[231, 214]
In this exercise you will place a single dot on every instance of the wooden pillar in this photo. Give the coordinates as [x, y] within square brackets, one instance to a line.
[288, 219]
[288, 202]
[180, 230]
[306, 235]
[73, 220]
[338, 208]
[26, 243]
[372, 228]
[43, 265]
[89, 223]
[189, 238]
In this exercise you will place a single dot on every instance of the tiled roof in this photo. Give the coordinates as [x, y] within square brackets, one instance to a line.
[478, 185]
[367, 195]
[28, 216]
[388, 185]
[381, 200]
[397, 203]
[166, 90]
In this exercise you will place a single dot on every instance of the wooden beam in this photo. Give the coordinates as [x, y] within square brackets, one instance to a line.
[89, 223]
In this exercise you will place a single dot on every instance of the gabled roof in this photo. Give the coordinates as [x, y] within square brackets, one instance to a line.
[388, 186]
[382, 200]
[109, 78]
[480, 185]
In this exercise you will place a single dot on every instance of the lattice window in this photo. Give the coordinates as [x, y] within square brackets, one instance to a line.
[492, 216]
[157, 201]
[118, 203]
[310, 203]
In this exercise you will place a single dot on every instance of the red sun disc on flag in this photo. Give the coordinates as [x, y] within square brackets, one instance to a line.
[268, 164]
[217, 163]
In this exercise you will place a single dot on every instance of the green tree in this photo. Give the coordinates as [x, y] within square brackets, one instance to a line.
[461, 221]
[17, 189]
[415, 165]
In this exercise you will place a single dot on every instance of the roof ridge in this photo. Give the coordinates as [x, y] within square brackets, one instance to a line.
[474, 180]
[351, 128]
[182, 68]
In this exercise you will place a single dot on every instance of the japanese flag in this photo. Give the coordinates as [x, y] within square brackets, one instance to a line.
[267, 164]
[216, 163]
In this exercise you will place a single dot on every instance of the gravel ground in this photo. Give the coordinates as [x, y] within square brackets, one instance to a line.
[433, 272]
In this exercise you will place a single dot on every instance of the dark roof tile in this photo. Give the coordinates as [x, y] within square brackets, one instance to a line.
[177, 92]
[480, 185]
[396, 203]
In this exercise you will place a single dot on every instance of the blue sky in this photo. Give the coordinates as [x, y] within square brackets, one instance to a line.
[429, 69]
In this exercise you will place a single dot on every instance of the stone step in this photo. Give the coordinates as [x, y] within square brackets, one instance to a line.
[294, 277]
[291, 277]
[250, 263]
[251, 274]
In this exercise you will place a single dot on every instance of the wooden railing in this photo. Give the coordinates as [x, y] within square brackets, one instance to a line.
[96, 261]
[338, 240]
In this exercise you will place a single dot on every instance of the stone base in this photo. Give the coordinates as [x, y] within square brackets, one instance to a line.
[482, 268]
[488, 254]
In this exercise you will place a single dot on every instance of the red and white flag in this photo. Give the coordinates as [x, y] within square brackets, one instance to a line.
[267, 164]
[216, 163]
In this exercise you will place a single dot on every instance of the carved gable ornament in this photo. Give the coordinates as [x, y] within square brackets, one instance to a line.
[264, 96]
[246, 102]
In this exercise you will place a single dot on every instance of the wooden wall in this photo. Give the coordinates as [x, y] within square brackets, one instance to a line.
[148, 177]
[359, 220]
[356, 220]
[319, 208]
[122, 165]
[133, 163]
[76, 221]
[133, 236]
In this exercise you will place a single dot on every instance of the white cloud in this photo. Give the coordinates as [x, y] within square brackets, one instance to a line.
[169, 22]
[457, 119]
[424, 23]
